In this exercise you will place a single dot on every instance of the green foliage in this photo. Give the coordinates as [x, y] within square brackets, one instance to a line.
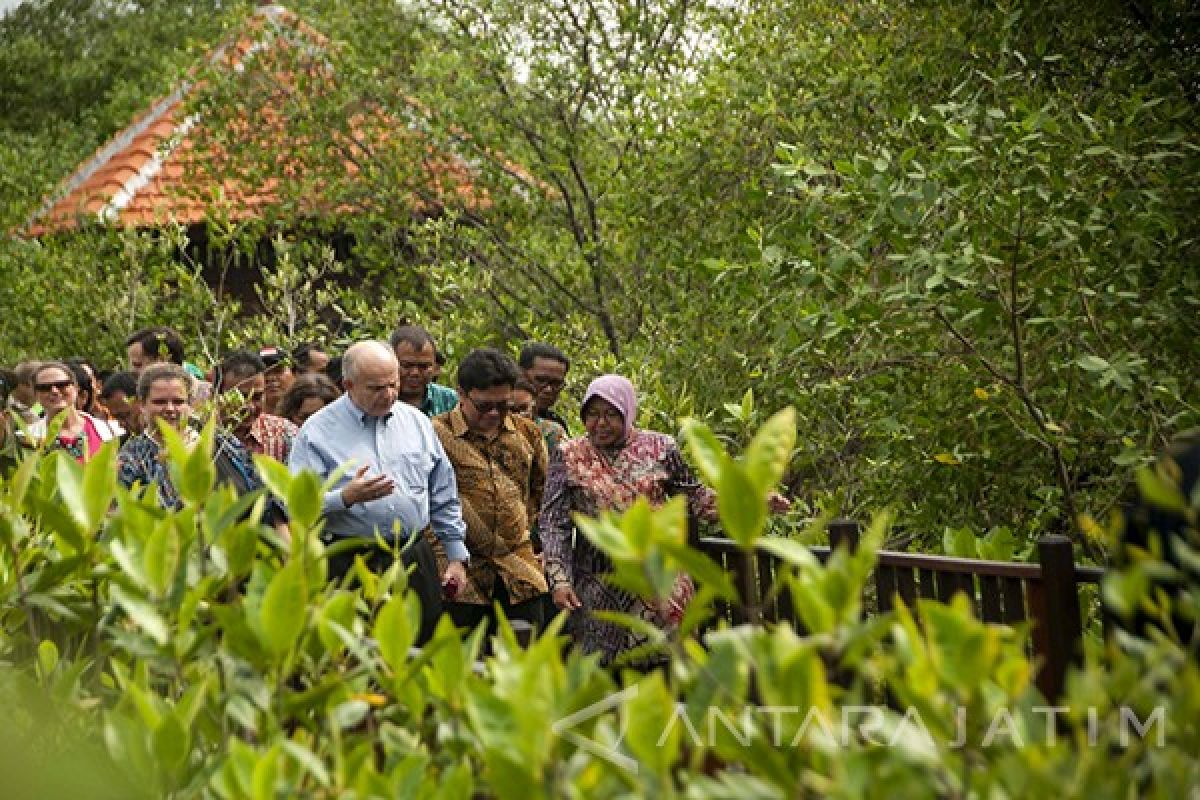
[146, 656]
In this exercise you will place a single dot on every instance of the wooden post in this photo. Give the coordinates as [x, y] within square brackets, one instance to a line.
[1054, 606]
[843, 533]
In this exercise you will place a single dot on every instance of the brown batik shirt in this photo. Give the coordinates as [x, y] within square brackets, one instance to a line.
[500, 484]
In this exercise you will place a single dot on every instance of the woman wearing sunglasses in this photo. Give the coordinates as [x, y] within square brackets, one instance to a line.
[81, 434]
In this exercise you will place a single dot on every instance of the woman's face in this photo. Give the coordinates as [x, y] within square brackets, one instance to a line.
[167, 400]
[604, 423]
[56, 390]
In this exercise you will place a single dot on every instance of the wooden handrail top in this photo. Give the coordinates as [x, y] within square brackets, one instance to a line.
[962, 566]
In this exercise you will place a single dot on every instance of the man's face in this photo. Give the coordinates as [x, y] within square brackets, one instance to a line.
[317, 362]
[374, 388]
[124, 410]
[243, 414]
[415, 371]
[548, 377]
[485, 409]
[139, 359]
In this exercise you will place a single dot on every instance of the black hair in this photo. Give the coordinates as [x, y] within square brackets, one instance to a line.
[485, 368]
[241, 364]
[334, 370]
[413, 335]
[8, 382]
[83, 382]
[120, 382]
[159, 341]
[74, 373]
[523, 385]
[300, 356]
[531, 351]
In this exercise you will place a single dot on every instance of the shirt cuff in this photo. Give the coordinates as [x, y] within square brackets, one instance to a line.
[333, 501]
[456, 550]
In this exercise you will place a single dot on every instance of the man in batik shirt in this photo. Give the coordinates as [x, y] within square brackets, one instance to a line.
[500, 464]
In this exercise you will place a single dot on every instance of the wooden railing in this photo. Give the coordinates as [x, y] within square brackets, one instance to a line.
[1045, 592]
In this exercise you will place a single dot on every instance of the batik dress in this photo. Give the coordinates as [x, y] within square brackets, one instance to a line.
[585, 479]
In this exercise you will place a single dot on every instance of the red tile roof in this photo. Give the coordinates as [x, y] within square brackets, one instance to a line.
[161, 167]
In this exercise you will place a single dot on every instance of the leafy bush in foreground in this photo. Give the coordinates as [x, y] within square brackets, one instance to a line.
[156, 654]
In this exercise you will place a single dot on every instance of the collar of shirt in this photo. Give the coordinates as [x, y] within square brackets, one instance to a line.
[363, 417]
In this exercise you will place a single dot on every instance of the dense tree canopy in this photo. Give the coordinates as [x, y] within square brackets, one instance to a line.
[960, 239]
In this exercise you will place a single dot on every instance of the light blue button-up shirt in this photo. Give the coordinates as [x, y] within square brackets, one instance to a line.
[401, 445]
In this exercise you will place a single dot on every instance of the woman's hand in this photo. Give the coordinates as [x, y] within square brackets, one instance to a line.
[565, 598]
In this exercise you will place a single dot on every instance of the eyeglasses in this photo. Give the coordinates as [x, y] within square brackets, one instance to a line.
[607, 415]
[487, 407]
[62, 386]
[413, 366]
[547, 383]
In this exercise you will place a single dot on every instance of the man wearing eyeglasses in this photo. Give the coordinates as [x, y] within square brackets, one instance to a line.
[500, 464]
[416, 357]
[545, 366]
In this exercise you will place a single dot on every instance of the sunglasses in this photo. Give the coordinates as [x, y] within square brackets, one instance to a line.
[486, 407]
[60, 385]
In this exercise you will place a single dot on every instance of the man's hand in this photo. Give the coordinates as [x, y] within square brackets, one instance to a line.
[565, 598]
[362, 489]
[454, 579]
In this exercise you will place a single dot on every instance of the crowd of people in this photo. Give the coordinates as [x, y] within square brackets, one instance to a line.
[474, 487]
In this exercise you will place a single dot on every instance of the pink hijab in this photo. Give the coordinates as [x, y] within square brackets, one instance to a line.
[618, 391]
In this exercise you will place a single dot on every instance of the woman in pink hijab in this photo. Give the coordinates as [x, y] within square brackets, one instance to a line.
[608, 470]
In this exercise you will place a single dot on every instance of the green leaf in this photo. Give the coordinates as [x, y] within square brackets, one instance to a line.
[144, 615]
[1093, 363]
[396, 628]
[304, 499]
[283, 609]
[47, 656]
[160, 556]
[706, 451]
[741, 505]
[100, 484]
[789, 550]
[308, 760]
[647, 717]
[770, 451]
[171, 742]
[1160, 492]
[69, 477]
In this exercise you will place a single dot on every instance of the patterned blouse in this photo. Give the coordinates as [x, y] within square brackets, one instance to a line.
[142, 461]
[500, 483]
[271, 436]
[587, 480]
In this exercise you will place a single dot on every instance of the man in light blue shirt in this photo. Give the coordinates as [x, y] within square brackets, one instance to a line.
[397, 479]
